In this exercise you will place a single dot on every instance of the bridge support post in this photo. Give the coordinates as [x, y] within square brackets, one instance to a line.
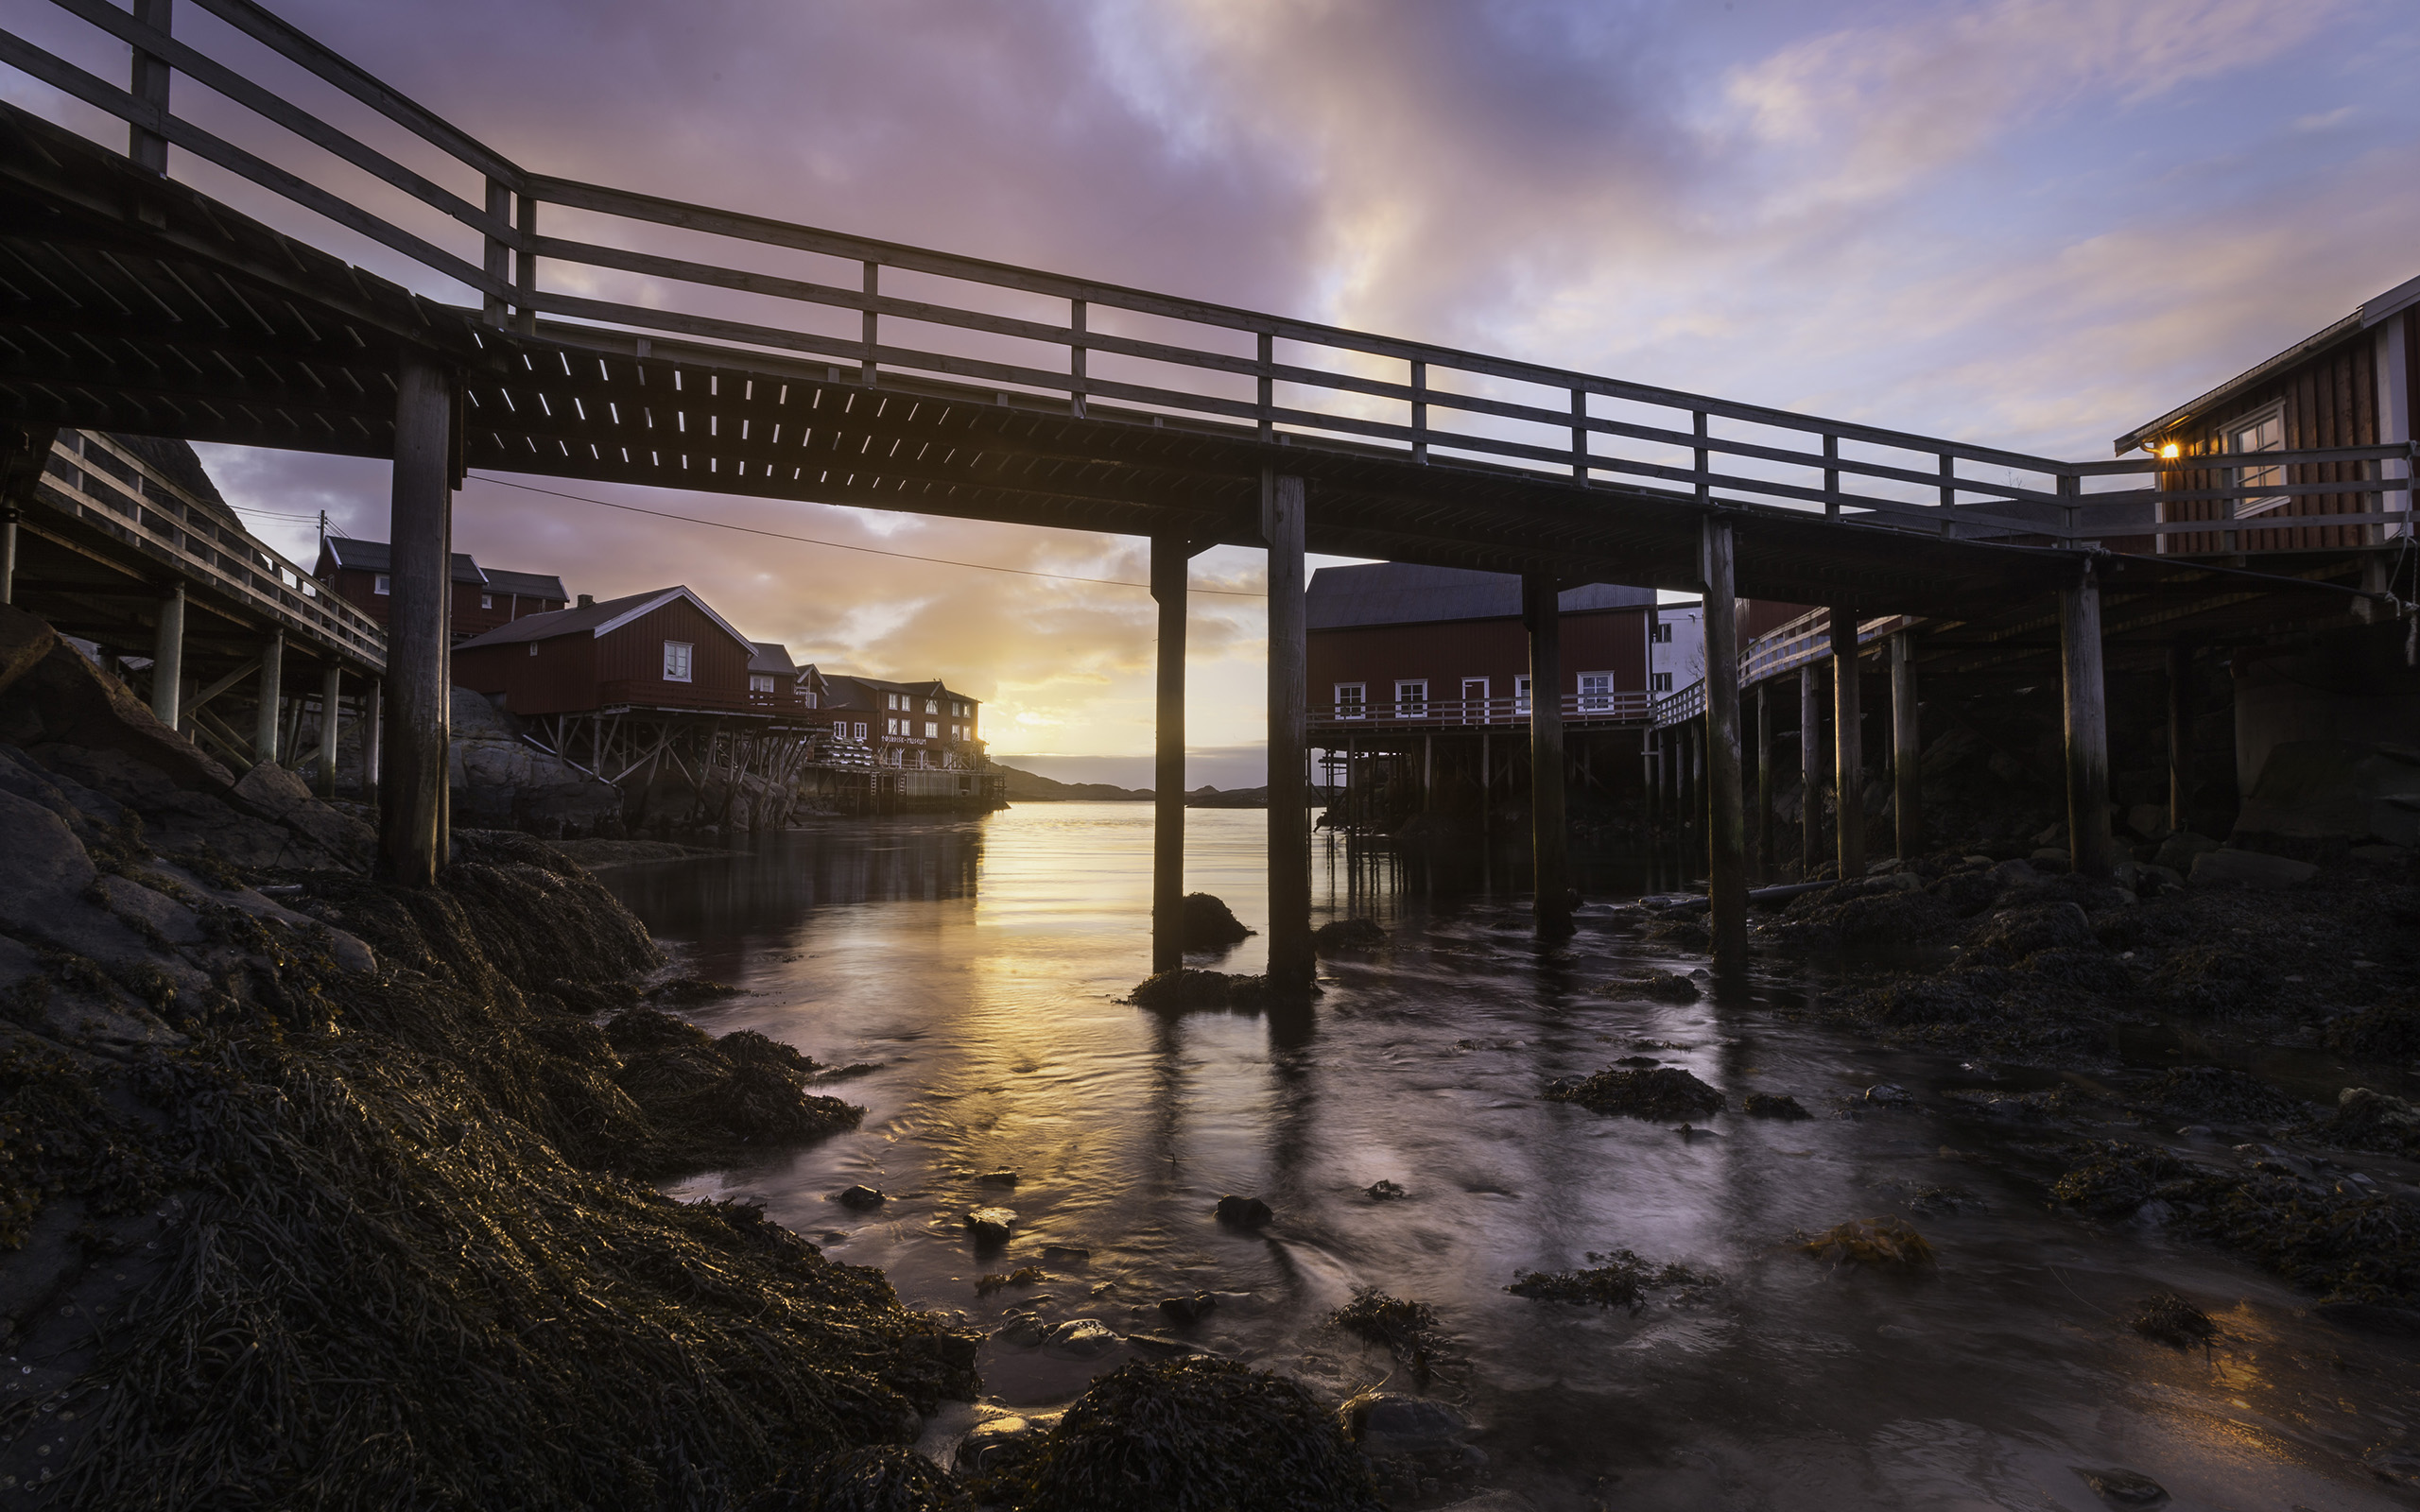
[411, 799]
[1283, 510]
[2091, 847]
[168, 657]
[272, 695]
[1810, 768]
[1907, 747]
[2180, 737]
[373, 711]
[1542, 607]
[331, 700]
[1764, 862]
[1726, 858]
[1170, 556]
[1848, 762]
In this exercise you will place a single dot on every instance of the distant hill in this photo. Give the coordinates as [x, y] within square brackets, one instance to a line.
[1033, 787]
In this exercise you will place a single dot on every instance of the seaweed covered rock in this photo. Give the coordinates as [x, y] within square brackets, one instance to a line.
[2172, 1320]
[1659, 987]
[1209, 924]
[1665, 1091]
[2391, 1031]
[2115, 1178]
[1619, 1278]
[1888, 1243]
[877, 1478]
[2369, 1120]
[1187, 988]
[1404, 1328]
[1347, 934]
[1877, 913]
[2220, 1094]
[1773, 1105]
[2017, 932]
[1196, 1435]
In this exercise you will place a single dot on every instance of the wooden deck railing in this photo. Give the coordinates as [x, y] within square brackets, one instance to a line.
[1626, 707]
[882, 312]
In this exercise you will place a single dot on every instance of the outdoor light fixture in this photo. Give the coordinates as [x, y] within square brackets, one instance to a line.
[2171, 449]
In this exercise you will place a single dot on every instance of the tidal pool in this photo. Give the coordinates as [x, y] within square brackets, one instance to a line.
[977, 968]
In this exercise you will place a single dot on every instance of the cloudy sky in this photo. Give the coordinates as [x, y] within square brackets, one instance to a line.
[2034, 223]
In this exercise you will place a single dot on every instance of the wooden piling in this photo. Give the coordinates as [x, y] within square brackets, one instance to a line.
[1170, 558]
[2091, 847]
[1726, 824]
[1906, 747]
[412, 792]
[331, 701]
[1549, 831]
[1848, 761]
[1810, 768]
[1291, 962]
[1763, 864]
[168, 657]
[2180, 737]
[273, 678]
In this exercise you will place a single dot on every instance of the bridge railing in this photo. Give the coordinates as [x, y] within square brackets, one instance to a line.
[618, 269]
[1629, 706]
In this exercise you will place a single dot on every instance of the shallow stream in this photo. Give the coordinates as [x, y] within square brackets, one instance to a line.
[976, 966]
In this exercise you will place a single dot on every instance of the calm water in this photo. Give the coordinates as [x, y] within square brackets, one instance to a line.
[977, 964]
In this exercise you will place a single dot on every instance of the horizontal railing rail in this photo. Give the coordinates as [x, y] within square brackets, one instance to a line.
[1780, 651]
[90, 478]
[1305, 382]
[1627, 706]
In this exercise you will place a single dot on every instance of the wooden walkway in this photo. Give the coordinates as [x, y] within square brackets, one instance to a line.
[887, 376]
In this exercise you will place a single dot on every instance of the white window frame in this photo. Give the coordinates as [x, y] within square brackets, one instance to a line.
[932, 729]
[1659, 682]
[1478, 715]
[382, 585]
[533, 648]
[1411, 698]
[861, 730]
[1521, 695]
[487, 601]
[1353, 700]
[2255, 477]
[760, 682]
[1599, 699]
[680, 661]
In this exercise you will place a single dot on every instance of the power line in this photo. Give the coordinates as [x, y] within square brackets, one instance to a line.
[842, 545]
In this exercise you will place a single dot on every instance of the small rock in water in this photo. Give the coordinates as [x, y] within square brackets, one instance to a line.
[2124, 1487]
[997, 1178]
[1081, 1338]
[1689, 1132]
[992, 1226]
[1244, 1213]
[1066, 1254]
[1385, 1423]
[1667, 1091]
[993, 1444]
[1773, 1105]
[1347, 934]
[1660, 987]
[2171, 1319]
[1384, 1191]
[1189, 1309]
[1208, 924]
[1024, 1330]
[860, 1198]
[1887, 1096]
[1872, 1241]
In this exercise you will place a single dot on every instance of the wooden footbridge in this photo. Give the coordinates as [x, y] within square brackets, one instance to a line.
[577, 331]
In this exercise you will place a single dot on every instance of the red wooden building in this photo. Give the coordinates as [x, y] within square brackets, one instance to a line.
[2355, 382]
[664, 649]
[911, 724]
[483, 598]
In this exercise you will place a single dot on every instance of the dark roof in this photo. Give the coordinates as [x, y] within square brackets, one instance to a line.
[1389, 593]
[844, 686]
[596, 619]
[377, 557]
[2394, 301]
[772, 656]
[527, 585]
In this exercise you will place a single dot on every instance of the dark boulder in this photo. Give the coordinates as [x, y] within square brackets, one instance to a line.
[1210, 925]
[1243, 1212]
[1667, 1091]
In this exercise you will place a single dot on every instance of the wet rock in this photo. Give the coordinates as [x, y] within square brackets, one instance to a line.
[2248, 868]
[1658, 987]
[2115, 1178]
[1404, 1327]
[2123, 1487]
[1881, 1242]
[1385, 1190]
[1210, 925]
[878, 1478]
[2220, 1094]
[1022, 1276]
[1773, 1105]
[2391, 1031]
[992, 1226]
[1243, 1212]
[1187, 988]
[2018, 933]
[1188, 1310]
[1024, 1330]
[1067, 1255]
[2369, 1120]
[1667, 1091]
[996, 1178]
[1347, 934]
[1081, 1338]
[862, 1198]
[1619, 1278]
[2171, 1319]
[1387, 1423]
[1197, 1434]
[999, 1444]
[2179, 851]
[1883, 1094]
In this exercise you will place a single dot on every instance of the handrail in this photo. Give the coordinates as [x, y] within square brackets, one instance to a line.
[1895, 479]
[1624, 706]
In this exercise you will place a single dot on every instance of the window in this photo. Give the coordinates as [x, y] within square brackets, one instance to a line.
[1411, 699]
[1596, 691]
[932, 730]
[2264, 433]
[890, 726]
[861, 730]
[487, 601]
[1351, 699]
[380, 583]
[932, 706]
[760, 682]
[1659, 682]
[1521, 695]
[1663, 635]
[679, 656]
[533, 648]
[1474, 699]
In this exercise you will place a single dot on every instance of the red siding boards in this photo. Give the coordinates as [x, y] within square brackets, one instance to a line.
[2330, 399]
[580, 670]
[1448, 654]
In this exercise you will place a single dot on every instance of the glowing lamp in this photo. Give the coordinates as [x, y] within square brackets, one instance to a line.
[2171, 450]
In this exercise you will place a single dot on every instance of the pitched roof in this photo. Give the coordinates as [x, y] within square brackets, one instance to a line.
[843, 686]
[379, 557]
[1389, 593]
[528, 585]
[772, 656]
[599, 619]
